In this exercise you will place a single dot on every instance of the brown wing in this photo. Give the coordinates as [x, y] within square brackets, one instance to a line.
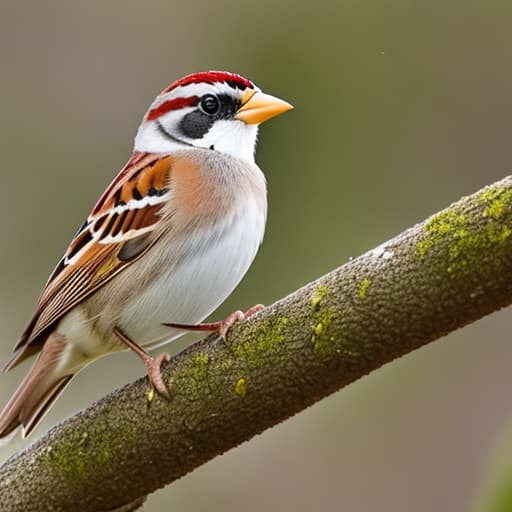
[120, 229]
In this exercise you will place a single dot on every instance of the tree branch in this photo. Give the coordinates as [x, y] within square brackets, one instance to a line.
[436, 277]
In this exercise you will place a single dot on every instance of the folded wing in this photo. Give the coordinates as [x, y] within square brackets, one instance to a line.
[121, 227]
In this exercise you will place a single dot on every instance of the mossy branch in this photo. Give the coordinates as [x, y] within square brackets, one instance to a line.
[437, 276]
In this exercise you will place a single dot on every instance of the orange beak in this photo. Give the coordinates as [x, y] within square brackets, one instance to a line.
[258, 107]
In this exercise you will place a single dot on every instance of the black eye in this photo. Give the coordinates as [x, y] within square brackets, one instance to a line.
[210, 104]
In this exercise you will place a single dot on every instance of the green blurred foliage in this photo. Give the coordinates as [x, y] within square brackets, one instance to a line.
[401, 108]
[496, 493]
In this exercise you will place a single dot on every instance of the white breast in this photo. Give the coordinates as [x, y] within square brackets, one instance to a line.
[211, 266]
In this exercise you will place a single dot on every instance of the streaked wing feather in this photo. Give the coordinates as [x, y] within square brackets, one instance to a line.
[120, 228]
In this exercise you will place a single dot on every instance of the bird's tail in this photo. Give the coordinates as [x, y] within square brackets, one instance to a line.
[38, 390]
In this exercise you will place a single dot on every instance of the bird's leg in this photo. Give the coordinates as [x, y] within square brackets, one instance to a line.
[223, 326]
[152, 364]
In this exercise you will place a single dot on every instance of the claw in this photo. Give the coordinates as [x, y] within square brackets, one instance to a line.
[223, 326]
[153, 365]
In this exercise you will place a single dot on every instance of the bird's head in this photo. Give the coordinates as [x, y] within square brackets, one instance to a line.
[214, 110]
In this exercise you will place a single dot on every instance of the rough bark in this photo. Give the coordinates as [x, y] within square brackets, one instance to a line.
[436, 277]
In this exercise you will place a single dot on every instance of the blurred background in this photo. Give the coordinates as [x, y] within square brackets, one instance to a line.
[401, 108]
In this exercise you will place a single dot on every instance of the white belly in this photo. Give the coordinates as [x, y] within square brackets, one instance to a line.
[188, 291]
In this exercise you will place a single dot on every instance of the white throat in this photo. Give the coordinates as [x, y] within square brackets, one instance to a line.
[234, 138]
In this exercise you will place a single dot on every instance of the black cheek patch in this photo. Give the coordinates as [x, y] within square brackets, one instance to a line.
[196, 124]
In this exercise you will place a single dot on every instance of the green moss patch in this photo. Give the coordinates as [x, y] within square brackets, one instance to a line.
[318, 295]
[497, 201]
[79, 460]
[263, 339]
[462, 239]
[241, 387]
[362, 289]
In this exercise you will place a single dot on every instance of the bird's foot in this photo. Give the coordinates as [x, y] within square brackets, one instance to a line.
[223, 326]
[153, 364]
[153, 367]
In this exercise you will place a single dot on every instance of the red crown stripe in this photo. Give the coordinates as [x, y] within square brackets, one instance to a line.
[169, 105]
[212, 77]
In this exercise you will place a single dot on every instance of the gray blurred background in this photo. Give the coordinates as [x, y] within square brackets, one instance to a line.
[401, 108]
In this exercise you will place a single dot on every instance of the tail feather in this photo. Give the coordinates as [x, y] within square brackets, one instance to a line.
[21, 354]
[38, 390]
[35, 416]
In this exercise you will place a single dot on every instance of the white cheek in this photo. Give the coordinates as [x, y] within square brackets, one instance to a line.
[161, 136]
[231, 137]
[149, 139]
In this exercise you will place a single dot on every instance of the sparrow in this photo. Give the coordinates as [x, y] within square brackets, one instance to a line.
[168, 241]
